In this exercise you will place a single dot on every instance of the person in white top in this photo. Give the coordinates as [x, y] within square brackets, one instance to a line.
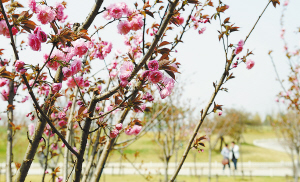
[234, 154]
[225, 152]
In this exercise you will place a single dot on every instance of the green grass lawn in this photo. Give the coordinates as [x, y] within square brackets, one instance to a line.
[135, 178]
[150, 152]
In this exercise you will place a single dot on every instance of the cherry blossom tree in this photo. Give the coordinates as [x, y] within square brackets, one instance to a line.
[286, 124]
[76, 108]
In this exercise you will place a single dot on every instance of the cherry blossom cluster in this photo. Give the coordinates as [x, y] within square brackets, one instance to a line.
[133, 22]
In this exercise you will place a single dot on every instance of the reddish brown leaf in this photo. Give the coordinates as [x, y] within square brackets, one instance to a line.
[164, 43]
[18, 165]
[275, 2]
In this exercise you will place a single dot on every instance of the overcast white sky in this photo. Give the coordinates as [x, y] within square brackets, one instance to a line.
[202, 56]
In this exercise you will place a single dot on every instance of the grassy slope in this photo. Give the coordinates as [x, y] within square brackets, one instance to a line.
[149, 150]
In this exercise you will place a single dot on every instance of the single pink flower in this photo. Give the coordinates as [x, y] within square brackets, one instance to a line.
[153, 65]
[61, 115]
[114, 133]
[45, 14]
[201, 31]
[54, 146]
[124, 27]
[32, 5]
[62, 123]
[71, 83]
[19, 65]
[56, 87]
[166, 86]
[249, 64]
[76, 66]
[80, 47]
[3, 81]
[119, 126]
[220, 113]
[137, 22]
[41, 35]
[155, 76]
[136, 129]
[129, 131]
[286, 2]
[125, 70]
[180, 20]
[60, 178]
[67, 72]
[34, 42]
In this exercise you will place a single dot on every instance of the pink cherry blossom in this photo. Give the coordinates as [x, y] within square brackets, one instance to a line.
[57, 55]
[145, 74]
[60, 12]
[56, 87]
[67, 72]
[137, 22]
[201, 31]
[155, 76]
[43, 89]
[286, 2]
[62, 123]
[119, 126]
[54, 146]
[32, 5]
[45, 14]
[76, 66]
[114, 133]
[60, 178]
[220, 113]
[80, 47]
[239, 48]
[3, 81]
[125, 70]
[61, 115]
[180, 19]
[249, 64]
[166, 86]
[113, 74]
[19, 65]
[34, 42]
[128, 131]
[31, 128]
[124, 27]
[153, 65]
[71, 83]
[136, 129]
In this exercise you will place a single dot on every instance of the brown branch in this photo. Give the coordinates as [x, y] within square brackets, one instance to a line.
[40, 70]
[90, 18]
[257, 21]
[204, 114]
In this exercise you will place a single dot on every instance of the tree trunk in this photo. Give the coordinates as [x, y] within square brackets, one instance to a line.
[68, 137]
[38, 132]
[166, 168]
[10, 118]
[297, 167]
[209, 161]
[221, 144]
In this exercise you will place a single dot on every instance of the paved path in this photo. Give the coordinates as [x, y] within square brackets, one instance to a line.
[274, 144]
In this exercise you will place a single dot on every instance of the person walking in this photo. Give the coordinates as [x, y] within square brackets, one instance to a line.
[225, 152]
[234, 154]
